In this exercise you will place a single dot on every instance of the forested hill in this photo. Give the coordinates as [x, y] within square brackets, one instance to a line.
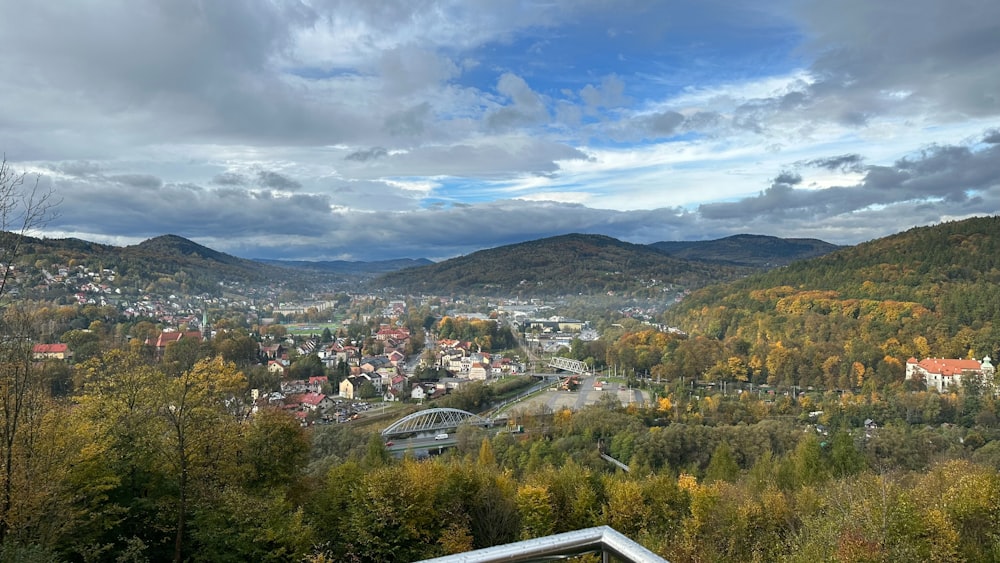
[169, 263]
[856, 314]
[758, 251]
[351, 267]
[567, 264]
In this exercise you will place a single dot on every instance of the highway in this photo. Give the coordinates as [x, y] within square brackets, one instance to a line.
[420, 443]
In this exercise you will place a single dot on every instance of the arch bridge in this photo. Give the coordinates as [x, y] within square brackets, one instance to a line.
[570, 365]
[433, 421]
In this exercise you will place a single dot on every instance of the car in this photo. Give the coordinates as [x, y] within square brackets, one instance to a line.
[388, 444]
[441, 436]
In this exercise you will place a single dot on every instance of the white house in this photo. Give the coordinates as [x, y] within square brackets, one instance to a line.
[941, 373]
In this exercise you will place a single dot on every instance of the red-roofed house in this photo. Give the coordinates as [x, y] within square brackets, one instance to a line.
[940, 373]
[316, 383]
[169, 337]
[311, 401]
[51, 352]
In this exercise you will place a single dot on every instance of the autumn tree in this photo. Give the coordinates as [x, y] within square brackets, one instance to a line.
[22, 398]
[197, 411]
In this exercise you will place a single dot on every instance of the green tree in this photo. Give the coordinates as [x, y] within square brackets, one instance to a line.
[722, 466]
[306, 366]
[845, 459]
[196, 409]
[276, 450]
[535, 507]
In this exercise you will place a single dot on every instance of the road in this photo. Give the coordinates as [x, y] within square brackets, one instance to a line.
[421, 443]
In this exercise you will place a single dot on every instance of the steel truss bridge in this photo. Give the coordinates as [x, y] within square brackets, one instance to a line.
[433, 421]
[566, 364]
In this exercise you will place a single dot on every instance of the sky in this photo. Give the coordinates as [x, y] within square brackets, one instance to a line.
[379, 129]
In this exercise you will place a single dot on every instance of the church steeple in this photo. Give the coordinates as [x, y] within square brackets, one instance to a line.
[206, 329]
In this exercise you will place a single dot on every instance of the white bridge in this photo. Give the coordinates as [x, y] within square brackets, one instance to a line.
[566, 364]
[431, 421]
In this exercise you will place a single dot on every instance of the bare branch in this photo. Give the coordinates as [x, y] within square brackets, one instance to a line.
[24, 209]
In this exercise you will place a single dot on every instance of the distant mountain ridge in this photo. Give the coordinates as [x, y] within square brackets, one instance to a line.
[573, 263]
[757, 251]
[350, 267]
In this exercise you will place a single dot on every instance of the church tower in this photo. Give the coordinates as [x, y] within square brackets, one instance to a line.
[206, 329]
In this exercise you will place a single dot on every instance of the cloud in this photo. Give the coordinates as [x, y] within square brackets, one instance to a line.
[186, 209]
[144, 181]
[927, 57]
[366, 155]
[526, 107]
[277, 181]
[230, 179]
[842, 163]
[942, 175]
[393, 119]
[610, 93]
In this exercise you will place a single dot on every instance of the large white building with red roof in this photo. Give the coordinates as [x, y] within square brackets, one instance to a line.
[941, 373]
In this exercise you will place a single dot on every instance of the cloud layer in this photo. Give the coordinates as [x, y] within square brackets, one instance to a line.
[370, 130]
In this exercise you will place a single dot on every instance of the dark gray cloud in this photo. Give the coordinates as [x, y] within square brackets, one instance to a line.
[874, 59]
[787, 179]
[277, 181]
[366, 155]
[942, 175]
[230, 179]
[842, 163]
[186, 209]
[411, 122]
[992, 136]
[665, 124]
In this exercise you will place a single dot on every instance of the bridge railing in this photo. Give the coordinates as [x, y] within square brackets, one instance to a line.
[569, 364]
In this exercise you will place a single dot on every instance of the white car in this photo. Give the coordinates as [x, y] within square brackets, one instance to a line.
[441, 436]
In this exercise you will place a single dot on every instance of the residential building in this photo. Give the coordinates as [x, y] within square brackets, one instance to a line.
[941, 373]
[51, 352]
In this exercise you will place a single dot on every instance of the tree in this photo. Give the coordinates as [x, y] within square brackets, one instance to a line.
[23, 208]
[276, 450]
[306, 367]
[118, 406]
[196, 411]
[722, 466]
[22, 395]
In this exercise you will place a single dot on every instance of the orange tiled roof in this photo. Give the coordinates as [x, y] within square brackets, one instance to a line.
[943, 366]
[50, 348]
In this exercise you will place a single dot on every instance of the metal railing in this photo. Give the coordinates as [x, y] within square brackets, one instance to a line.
[601, 539]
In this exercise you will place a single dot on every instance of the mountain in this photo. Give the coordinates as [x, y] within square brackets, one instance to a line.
[179, 247]
[757, 251]
[859, 312]
[567, 264]
[167, 264]
[349, 267]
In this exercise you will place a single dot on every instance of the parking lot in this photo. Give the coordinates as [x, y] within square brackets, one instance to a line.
[585, 395]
